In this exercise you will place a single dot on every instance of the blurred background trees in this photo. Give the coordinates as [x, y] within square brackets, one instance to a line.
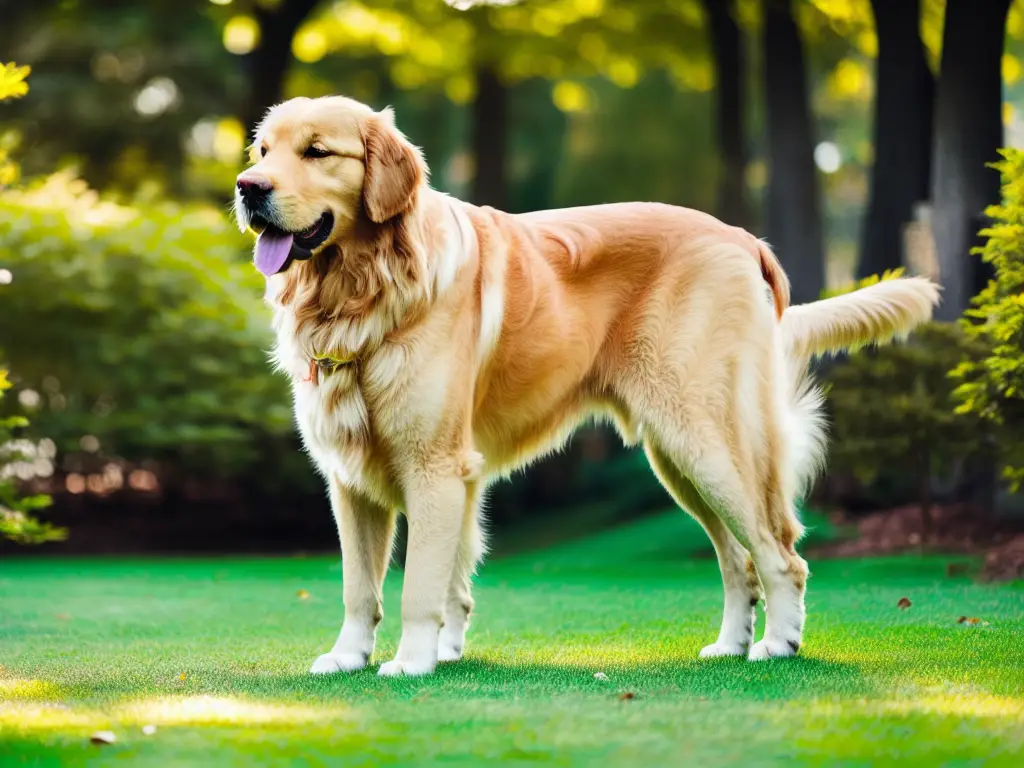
[843, 131]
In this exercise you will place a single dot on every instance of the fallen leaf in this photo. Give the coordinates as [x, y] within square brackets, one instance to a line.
[904, 603]
[182, 677]
[600, 676]
[302, 594]
[627, 696]
[971, 621]
[148, 730]
[103, 737]
[957, 569]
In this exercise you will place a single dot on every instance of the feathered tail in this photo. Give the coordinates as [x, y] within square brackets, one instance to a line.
[876, 314]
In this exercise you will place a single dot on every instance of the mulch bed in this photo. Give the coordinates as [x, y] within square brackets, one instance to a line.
[955, 529]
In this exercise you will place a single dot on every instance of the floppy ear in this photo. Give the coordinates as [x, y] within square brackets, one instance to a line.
[394, 169]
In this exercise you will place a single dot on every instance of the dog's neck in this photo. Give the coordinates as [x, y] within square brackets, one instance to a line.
[382, 278]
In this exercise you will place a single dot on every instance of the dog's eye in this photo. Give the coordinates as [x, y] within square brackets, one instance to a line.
[263, 150]
[315, 151]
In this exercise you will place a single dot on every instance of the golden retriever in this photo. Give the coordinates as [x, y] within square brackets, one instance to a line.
[434, 346]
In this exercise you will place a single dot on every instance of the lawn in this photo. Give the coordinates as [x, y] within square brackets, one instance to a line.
[214, 652]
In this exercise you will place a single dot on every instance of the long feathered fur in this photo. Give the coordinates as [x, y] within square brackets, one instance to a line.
[876, 314]
[879, 313]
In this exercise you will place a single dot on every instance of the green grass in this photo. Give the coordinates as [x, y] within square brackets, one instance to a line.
[215, 652]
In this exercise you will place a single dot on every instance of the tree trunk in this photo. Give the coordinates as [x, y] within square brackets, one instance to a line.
[730, 70]
[490, 139]
[265, 68]
[968, 131]
[902, 134]
[794, 210]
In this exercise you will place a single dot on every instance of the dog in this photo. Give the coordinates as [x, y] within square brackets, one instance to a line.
[434, 346]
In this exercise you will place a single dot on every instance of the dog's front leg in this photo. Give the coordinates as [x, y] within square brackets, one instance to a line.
[435, 506]
[366, 531]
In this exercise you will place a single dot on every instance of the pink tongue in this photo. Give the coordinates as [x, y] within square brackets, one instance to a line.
[272, 249]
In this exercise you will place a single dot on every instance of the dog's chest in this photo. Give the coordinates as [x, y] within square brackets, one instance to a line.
[358, 419]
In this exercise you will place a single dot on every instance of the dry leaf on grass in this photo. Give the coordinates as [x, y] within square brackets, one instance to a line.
[957, 569]
[103, 737]
[971, 621]
[904, 603]
[627, 696]
[182, 677]
[302, 594]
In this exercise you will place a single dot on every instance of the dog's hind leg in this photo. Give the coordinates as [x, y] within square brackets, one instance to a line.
[749, 499]
[459, 603]
[742, 588]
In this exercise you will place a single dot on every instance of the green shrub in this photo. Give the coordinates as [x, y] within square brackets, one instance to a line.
[894, 414]
[142, 329]
[16, 520]
[992, 387]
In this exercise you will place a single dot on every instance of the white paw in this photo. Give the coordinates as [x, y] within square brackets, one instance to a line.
[396, 668]
[448, 652]
[716, 650]
[773, 649]
[332, 662]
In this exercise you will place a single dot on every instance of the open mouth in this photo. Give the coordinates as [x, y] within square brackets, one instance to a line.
[275, 248]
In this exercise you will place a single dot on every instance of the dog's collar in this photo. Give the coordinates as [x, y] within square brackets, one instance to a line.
[328, 364]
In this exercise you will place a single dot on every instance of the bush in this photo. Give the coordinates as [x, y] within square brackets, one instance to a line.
[139, 333]
[992, 386]
[16, 520]
[894, 414]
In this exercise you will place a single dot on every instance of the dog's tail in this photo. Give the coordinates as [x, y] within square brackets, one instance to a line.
[876, 314]
[879, 313]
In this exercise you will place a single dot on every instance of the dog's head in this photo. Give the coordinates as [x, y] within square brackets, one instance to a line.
[319, 168]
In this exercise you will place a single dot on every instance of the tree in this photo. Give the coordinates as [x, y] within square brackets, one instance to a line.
[968, 132]
[794, 224]
[727, 47]
[116, 86]
[901, 136]
[480, 55]
[266, 66]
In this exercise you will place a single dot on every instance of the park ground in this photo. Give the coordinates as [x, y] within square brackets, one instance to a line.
[214, 653]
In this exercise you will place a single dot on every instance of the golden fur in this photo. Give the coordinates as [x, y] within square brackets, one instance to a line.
[482, 339]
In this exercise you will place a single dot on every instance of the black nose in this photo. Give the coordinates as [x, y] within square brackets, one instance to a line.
[254, 189]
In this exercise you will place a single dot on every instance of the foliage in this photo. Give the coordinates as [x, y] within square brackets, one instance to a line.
[894, 414]
[142, 328]
[864, 282]
[431, 43]
[992, 387]
[12, 86]
[12, 81]
[16, 520]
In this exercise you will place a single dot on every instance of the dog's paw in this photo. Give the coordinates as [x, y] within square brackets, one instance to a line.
[717, 650]
[448, 651]
[773, 649]
[330, 663]
[396, 668]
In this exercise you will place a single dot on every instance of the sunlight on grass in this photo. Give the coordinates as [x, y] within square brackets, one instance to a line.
[165, 711]
[223, 710]
[957, 705]
[20, 688]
